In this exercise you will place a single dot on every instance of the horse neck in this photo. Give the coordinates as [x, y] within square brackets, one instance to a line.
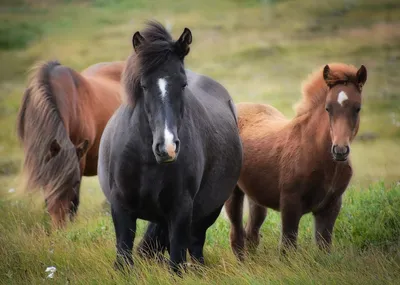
[315, 125]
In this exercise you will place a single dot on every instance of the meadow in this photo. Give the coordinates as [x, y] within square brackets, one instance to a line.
[261, 51]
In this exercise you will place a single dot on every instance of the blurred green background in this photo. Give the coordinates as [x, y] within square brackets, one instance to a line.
[261, 51]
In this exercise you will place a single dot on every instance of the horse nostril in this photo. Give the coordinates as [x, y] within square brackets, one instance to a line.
[346, 150]
[334, 149]
[158, 149]
[177, 142]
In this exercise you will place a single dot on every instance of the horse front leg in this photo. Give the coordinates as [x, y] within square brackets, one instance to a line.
[179, 228]
[198, 236]
[291, 212]
[324, 223]
[125, 229]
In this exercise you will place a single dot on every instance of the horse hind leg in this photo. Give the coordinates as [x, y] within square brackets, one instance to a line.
[234, 211]
[257, 215]
[154, 242]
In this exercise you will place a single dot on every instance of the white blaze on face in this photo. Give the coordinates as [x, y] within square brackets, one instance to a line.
[342, 97]
[169, 141]
[162, 84]
[168, 136]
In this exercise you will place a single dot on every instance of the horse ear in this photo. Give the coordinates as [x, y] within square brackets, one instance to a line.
[182, 44]
[81, 149]
[326, 72]
[137, 40]
[53, 150]
[361, 76]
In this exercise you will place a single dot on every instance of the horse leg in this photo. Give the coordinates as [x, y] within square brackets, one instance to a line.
[234, 210]
[290, 216]
[257, 215]
[179, 228]
[324, 222]
[125, 228]
[198, 236]
[154, 242]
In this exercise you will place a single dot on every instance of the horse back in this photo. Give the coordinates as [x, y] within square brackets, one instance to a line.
[107, 70]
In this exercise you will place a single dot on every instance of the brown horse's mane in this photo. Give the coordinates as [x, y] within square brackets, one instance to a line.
[38, 123]
[155, 50]
[315, 88]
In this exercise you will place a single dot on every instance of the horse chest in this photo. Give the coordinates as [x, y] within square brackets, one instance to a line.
[326, 186]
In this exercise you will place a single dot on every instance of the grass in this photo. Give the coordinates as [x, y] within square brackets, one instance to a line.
[365, 246]
[260, 50]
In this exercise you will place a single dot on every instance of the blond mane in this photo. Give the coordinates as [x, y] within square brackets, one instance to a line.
[315, 89]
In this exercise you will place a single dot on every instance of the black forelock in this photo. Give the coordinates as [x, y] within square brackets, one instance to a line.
[156, 49]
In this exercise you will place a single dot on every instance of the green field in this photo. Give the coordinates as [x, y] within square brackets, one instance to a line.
[260, 51]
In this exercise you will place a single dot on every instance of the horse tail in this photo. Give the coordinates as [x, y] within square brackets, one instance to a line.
[39, 125]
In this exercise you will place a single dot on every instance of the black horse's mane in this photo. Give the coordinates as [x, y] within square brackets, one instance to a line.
[154, 51]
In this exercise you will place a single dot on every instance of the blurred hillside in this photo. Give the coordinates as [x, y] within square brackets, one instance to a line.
[260, 50]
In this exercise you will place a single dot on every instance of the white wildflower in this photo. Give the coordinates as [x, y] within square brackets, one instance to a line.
[12, 190]
[52, 270]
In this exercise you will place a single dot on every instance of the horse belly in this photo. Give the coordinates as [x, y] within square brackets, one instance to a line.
[218, 180]
[259, 178]
[261, 192]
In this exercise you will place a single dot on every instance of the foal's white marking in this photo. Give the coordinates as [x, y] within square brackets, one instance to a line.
[342, 97]
[162, 84]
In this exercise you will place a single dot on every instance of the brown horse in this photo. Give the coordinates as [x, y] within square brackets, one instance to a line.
[60, 122]
[301, 165]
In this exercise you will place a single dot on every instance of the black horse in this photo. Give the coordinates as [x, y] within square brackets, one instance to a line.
[172, 154]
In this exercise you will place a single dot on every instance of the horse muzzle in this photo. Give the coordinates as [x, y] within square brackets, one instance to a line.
[166, 153]
[340, 153]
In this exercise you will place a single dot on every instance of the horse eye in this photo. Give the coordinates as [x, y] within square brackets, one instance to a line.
[143, 87]
[358, 110]
[184, 86]
[327, 109]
